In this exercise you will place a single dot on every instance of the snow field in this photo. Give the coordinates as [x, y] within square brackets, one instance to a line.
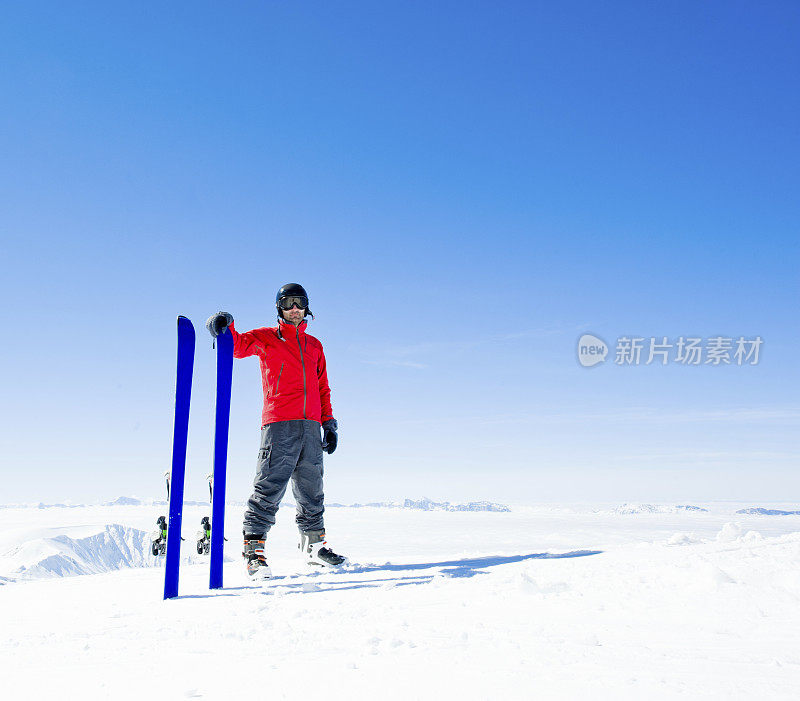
[537, 603]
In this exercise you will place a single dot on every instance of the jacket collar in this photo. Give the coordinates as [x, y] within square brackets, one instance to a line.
[290, 330]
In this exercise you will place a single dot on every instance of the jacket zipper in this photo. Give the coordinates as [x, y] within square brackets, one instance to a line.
[280, 372]
[303, 362]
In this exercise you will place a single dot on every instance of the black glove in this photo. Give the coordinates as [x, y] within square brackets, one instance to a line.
[329, 437]
[218, 323]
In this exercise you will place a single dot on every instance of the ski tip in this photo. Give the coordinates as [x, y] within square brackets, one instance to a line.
[185, 324]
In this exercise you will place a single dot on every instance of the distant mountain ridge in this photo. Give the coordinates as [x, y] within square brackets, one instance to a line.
[423, 504]
[426, 504]
[124, 501]
[133, 501]
[760, 511]
[627, 509]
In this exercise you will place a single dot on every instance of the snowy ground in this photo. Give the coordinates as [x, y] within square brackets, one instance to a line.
[546, 601]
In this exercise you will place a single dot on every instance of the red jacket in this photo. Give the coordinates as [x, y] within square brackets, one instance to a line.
[293, 372]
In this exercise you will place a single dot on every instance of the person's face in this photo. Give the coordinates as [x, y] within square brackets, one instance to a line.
[294, 315]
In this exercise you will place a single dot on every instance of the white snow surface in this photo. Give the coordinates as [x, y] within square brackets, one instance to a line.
[563, 601]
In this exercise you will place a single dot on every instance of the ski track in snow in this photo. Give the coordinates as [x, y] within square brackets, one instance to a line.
[545, 601]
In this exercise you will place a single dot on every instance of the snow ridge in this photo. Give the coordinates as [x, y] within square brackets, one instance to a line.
[116, 547]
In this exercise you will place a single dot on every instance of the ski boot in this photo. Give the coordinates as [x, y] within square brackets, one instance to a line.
[158, 545]
[204, 536]
[312, 545]
[257, 567]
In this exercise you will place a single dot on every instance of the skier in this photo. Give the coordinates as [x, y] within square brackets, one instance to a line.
[296, 402]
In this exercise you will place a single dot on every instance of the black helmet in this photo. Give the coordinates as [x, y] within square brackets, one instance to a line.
[291, 289]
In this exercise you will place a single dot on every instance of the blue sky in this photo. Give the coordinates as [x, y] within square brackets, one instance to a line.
[463, 188]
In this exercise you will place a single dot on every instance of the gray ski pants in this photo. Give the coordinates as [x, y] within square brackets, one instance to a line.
[289, 450]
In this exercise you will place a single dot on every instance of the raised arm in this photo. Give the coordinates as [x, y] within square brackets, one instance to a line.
[244, 344]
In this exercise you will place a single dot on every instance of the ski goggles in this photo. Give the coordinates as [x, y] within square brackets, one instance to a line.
[286, 303]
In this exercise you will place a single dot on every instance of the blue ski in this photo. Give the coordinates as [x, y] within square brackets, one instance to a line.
[223, 413]
[183, 395]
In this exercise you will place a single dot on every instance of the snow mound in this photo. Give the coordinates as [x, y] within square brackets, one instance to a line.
[759, 511]
[115, 547]
[729, 533]
[627, 509]
[734, 533]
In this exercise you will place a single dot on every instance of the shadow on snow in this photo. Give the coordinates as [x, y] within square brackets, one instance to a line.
[468, 567]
